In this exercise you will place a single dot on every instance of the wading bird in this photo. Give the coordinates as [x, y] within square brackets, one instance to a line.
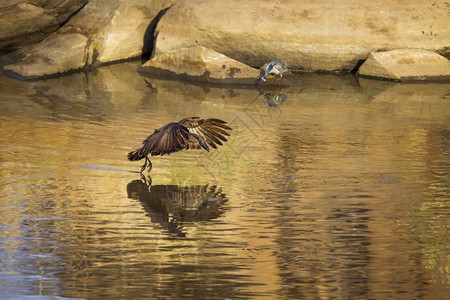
[273, 68]
[189, 133]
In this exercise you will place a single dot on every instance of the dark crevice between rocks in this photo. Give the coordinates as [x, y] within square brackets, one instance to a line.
[72, 14]
[445, 52]
[357, 66]
[150, 36]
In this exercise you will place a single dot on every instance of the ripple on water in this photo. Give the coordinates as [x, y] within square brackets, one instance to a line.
[314, 195]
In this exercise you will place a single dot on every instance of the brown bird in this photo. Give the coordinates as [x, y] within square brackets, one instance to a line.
[189, 133]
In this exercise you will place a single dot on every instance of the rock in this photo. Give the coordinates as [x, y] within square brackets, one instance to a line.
[406, 65]
[306, 35]
[113, 30]
[25, 22]
[200, 64]
[386, 91]
[116, 27]
[68, 53]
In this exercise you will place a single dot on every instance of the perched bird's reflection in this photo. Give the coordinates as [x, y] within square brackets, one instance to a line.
[272, 97]
[172, 205]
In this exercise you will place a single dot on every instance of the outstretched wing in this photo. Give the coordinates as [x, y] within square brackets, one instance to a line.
[170, 138]
[210, 131]
[189, 133]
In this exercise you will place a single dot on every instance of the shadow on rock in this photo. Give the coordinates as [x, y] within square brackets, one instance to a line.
[172, 205]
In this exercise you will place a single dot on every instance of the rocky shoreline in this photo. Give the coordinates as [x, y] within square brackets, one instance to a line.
[381, 39]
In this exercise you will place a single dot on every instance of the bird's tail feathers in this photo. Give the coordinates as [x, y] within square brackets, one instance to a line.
[135, 155]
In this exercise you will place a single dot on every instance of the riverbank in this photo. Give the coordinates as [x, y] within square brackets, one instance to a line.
[307, 35]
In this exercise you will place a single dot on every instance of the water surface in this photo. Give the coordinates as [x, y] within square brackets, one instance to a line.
[329, 188]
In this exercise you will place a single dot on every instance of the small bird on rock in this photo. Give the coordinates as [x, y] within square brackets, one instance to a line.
[189, 133]
[273, 68]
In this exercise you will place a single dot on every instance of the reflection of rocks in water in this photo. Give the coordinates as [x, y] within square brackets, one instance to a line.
[170, 205]
[336, 249]
[272, 97]
[92, 96]
[61, 108]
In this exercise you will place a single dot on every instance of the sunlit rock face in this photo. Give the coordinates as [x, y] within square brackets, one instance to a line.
[113, 30]
[307, 34]
[116, 27]
[406, 65]
[200, 64]
[59, 59]
[24, 22]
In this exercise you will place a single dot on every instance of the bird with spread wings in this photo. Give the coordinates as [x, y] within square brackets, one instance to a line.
[189, 133]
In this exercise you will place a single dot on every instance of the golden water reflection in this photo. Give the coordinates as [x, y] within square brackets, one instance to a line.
[331, 187]
[173, 205]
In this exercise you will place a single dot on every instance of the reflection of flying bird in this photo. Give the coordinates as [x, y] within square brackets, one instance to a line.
[273, 68]
[173, 205]
[189, 133]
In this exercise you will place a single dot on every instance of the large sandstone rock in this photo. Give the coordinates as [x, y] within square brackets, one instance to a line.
[405, 65]
[24, 22]
[113, 30]
[116, 27]
[200, 64]
[305, 34]
[59, 60]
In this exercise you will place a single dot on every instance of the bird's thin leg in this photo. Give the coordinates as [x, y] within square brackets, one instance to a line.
[145, 164]
[149, 165]
[279, 78]
[143, 168]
